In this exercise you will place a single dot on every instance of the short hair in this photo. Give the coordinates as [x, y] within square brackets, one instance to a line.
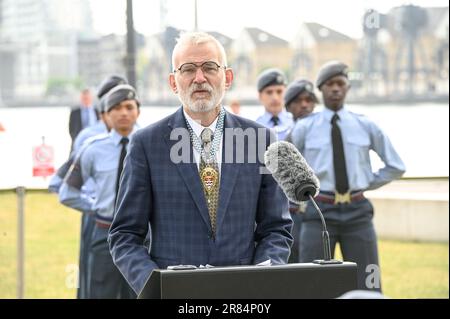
[198, 38]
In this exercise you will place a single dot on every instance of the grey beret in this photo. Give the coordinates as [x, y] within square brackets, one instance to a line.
[271, 77]
[118, 94]
[329, 70]
[296, 88]
[108, 83]
[100, 105]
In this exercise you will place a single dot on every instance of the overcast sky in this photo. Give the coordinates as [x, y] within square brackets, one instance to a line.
[280, 17]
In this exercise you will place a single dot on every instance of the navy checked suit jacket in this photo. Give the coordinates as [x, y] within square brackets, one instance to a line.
[253, 223]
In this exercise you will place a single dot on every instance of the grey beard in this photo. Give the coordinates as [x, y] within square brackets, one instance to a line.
[202, 105]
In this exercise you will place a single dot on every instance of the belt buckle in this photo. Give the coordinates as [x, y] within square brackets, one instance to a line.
[342, 198]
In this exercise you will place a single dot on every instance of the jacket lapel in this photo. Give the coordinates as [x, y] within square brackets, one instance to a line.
[188, 171]
[229, 173]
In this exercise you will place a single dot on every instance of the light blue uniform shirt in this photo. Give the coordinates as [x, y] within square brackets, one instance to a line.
[55, 184]
[86, 136]
[88, 132]
[284, 126]
[312, 137]
[98, 162]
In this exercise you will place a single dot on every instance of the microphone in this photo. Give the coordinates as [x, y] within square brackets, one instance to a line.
[296, 178]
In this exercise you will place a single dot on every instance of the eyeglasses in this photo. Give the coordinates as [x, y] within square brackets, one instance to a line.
[190, 69]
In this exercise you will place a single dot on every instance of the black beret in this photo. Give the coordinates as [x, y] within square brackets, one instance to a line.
[296, 88]
[118, 94]
[271, 77]
[329, 70]
[108, 83]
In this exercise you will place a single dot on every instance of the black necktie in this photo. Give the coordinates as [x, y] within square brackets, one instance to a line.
[275, 119]
[123, 153]
[340, 169]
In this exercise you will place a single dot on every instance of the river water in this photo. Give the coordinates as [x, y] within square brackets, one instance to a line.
[420, 133]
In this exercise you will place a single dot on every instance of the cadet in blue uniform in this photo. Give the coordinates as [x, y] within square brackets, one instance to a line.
[102, 161]
[271, 87]
[336, 144]
[100, 127]
[300, 100]
[85, 137]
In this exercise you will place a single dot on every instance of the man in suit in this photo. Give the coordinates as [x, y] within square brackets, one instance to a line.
[82, 116]
[208, 210]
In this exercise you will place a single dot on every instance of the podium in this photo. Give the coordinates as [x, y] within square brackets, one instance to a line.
[291, 281]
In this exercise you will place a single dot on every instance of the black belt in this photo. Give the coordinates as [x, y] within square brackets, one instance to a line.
[101, 224]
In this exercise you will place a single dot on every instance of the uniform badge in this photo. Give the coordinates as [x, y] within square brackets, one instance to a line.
[280, 79]
[345, 70]
[210, 178]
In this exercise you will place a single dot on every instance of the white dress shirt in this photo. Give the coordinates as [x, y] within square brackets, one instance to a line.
[198, 129]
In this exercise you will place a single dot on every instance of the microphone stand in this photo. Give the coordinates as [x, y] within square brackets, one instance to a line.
[325, 239]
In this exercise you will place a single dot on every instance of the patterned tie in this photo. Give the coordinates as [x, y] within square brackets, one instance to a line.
[124, 141]
[340, 168]
[209, 175]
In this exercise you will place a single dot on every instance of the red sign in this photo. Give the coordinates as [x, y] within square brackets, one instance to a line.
[43, 161]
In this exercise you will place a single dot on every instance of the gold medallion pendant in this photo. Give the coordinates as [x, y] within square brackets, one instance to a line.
[209, 177]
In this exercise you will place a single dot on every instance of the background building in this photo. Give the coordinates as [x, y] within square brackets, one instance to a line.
[316, 44]
[253, 51]
[43, 35]
[49, 50]
[405, 53]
